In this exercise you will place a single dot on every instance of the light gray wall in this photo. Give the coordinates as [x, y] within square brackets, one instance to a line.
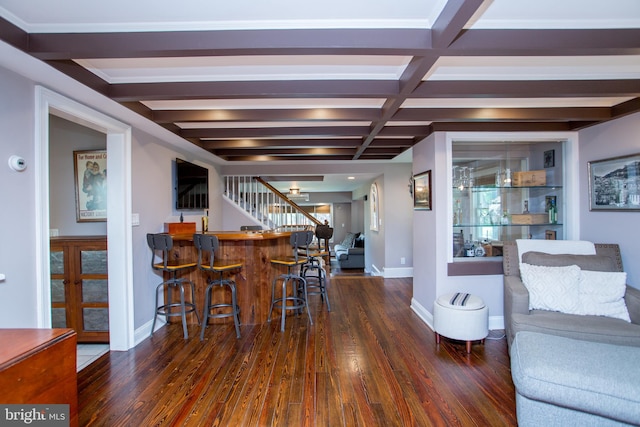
[425, 226]
[64, 138]
[393, 240]
[153, 199]
[616, 138]
[398, 216]
[342, 222]
[17, 227]
[152, 191]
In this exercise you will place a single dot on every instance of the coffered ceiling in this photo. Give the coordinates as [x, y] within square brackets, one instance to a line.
[337, 80]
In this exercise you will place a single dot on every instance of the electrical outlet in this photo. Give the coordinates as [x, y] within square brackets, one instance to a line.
[403, 260]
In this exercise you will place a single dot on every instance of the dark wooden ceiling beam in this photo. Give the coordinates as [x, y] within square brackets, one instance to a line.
[306, 114]
[625, 108]
[152, 44]
[81, 74]
[254, 89]
[408, 131]
[452, 20]
[526, 88]
[500, 127]
[409, 80]
[503, 114]
[547, 42]
[413, 42]
[392, 142]
[387, 151]
[13, 35]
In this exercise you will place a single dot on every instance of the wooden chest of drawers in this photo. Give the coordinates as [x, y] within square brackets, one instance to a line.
[38, 366]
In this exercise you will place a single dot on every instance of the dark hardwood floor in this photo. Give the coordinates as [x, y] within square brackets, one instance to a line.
[370, 362]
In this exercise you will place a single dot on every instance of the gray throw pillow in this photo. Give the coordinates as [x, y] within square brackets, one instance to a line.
[585, 262]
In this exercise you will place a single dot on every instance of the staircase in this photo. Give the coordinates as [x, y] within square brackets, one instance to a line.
[266, 204]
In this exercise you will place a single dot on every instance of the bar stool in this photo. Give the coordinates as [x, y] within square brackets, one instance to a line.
[313, 271]
[299, 284]
[161, 245]
[206, 245]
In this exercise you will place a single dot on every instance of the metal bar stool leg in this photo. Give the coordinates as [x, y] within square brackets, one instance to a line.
[306, 298]
[236, 308]
[183, 310]
[193, 300]
[284, 302]
[155, 310]
[205, 314]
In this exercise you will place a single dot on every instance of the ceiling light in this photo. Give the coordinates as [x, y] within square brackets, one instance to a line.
[294, 190]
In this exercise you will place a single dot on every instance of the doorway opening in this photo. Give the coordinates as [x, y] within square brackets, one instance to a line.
[119, 233]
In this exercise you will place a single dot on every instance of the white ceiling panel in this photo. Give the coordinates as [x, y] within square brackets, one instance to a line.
[264, 104]
[154, 15]
[272, 124]
[247, 68]
[511, 102]
[563, 14]
[535, 68]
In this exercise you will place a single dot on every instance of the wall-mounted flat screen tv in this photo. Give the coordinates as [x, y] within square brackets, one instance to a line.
[192, 186]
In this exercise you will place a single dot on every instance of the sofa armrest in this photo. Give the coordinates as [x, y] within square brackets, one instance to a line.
[632, 300]
[516, 295]
[516, 301]
[355, 251]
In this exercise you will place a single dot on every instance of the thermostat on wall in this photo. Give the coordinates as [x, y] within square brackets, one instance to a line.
[17, 163]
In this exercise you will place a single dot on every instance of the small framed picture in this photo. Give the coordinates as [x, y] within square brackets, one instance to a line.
[550, 235]
[549, 158]
[90, 170]
[422, 191]
[613, 184]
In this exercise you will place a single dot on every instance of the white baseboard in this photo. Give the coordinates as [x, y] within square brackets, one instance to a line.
[422, 313]
[374, 271]
[496, 322]
[395, 273]
[144, 331]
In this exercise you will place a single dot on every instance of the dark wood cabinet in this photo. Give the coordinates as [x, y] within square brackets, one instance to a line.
[80, 286]
[38, 366]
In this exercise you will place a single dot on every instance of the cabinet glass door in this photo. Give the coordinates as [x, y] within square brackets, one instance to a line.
[94, 294]
[58, 289]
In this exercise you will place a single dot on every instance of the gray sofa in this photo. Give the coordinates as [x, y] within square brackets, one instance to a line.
[518, 317]
[350, 252]
[566, 382]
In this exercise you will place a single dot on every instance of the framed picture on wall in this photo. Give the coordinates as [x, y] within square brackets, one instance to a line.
[375, 208]
[90, 173]
[422, 191]
[614, 184]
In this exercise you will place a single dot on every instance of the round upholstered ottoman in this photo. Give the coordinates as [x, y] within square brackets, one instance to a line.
[461, 316]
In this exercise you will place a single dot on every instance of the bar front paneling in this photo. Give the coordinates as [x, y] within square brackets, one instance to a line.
[253, 282]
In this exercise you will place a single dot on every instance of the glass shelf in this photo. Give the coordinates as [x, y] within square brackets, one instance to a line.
[493, 187]
[546, 224]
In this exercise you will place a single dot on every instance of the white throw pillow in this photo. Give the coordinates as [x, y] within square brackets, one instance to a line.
[552, 288]
[602, 294]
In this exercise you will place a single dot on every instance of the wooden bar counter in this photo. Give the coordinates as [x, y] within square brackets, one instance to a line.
[255, 250]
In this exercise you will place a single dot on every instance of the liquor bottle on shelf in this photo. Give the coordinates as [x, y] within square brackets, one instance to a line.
[553, 213]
